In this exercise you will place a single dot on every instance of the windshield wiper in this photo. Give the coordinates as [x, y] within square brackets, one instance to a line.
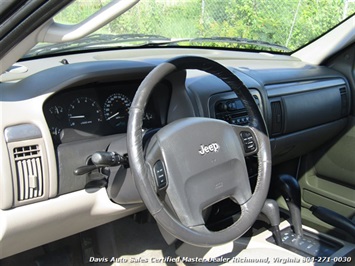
[139, 40]
[94, 41]
[235, 40]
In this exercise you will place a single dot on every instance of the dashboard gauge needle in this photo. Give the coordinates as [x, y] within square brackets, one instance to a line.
[78, 116]
[114, 115]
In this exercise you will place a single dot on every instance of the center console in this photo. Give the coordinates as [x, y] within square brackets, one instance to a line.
[262, 250]
[313, 248]
[307, 245]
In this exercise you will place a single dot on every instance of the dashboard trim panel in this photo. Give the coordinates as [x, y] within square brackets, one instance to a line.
[304, 86]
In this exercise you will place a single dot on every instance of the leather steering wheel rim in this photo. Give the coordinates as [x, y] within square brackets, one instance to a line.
[143, 174]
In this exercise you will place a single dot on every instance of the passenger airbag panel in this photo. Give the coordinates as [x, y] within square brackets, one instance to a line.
[309, 109]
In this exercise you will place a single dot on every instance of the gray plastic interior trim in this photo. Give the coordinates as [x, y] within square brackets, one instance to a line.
[293, 145]
[73, 74]
[284, 89]
[22, 132]
[72, 155]
[57, 218]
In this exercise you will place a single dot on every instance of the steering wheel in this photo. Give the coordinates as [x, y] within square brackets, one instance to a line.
[195, 162]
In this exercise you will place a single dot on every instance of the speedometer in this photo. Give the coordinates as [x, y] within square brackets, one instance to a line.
[116, 110]
[85, 114]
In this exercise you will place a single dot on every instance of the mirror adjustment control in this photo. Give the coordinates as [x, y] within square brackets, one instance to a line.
[160, 175]
[248, 141]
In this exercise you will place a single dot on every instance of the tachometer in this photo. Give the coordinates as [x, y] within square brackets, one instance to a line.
[116, 110]
[85, 114]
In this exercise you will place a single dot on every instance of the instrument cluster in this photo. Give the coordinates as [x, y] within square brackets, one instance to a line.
[100, 109]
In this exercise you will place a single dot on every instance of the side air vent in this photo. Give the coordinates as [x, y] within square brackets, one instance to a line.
[29, 165]
[277, 119]
[28, 151]
[344, 101]
[28, 161]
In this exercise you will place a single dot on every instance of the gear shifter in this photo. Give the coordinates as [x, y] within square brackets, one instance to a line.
[291, 192]
[293, 239]
[271, 210]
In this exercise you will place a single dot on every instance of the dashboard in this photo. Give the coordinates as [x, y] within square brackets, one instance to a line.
[83, 108]
[59, 110]
[100, 109]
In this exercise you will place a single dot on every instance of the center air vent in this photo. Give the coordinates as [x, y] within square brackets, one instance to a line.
[344, 101]
[277, 124]
[29, 171]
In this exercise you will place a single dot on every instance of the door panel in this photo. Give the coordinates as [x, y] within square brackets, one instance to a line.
[339, 161]
[328, 175]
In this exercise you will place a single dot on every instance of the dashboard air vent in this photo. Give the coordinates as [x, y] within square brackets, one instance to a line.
[23, 152]
[344, 101]
[28, 162]
[276, 109]
[29, 171]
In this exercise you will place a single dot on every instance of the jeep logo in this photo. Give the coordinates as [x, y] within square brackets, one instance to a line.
[204, 149]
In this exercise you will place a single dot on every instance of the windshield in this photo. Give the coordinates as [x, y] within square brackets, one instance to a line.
[260, 25]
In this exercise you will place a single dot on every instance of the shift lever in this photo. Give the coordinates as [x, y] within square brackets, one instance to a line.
[271, 210]
[291, 192]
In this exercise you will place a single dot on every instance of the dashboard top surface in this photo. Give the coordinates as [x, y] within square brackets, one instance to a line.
[92, 98]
